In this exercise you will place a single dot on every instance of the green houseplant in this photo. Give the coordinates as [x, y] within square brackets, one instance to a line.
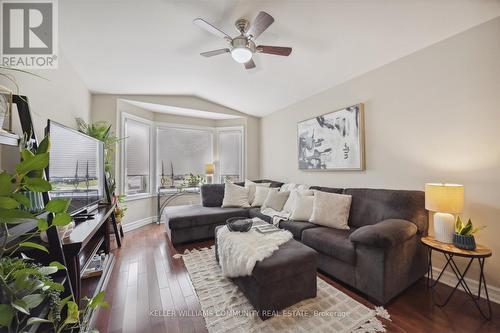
[464, 234]
[26, 285]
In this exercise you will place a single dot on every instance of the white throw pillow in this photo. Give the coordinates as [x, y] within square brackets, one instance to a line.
[251, 189]
[290, 203]
[235, 196]
[287, 187]
[303, 207]
[261, 193]
[331, 209]
[276, 200]
[303, 187]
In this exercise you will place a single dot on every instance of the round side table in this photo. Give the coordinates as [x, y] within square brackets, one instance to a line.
[450, 251]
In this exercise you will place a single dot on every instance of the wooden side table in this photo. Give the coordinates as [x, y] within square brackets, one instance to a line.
[450, 251]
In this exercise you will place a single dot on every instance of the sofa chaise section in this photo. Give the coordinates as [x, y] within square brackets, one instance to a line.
[190, 223]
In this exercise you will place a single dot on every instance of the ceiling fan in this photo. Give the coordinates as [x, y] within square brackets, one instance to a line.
[243, 47]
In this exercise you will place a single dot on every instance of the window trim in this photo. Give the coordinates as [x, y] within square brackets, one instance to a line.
[123, 158]
[241, 129]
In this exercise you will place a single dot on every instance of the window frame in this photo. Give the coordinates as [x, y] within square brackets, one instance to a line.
[221, 129]
[123, 156]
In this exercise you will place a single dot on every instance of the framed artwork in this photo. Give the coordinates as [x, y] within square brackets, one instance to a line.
[333, 141]
[5, 110]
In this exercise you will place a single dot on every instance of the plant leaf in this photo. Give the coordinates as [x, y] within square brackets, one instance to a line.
[22, 199]
[458, 224]
[467, 229]
[72, 316]
[14, 216]
[20, 306]
[5, 183]
[6, 314]
[57, 205]
[43, 225]
[47, 270]
[98, 300]
[26, 155]
[36, 320]
[37, 184]
[33, 300]
[58, 265]
[38, 162]
[34, 246]
[44, 146]
[8, 203]
[61, 219]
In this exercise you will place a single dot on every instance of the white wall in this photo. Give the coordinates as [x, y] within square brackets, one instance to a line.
[433, 116]
[62, 97]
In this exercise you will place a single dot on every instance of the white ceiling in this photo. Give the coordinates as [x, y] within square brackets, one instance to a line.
[160, 108]
[152, 47]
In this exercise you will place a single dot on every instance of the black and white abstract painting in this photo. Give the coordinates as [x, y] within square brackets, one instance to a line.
[333, 141]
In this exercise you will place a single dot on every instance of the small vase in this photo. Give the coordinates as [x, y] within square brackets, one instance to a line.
[466, 242]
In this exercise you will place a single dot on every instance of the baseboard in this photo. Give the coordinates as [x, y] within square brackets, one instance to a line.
[139, 223]
[450, 279]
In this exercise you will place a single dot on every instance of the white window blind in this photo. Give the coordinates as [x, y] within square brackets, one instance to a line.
[188, 149]
[230, 144]
[137, 156]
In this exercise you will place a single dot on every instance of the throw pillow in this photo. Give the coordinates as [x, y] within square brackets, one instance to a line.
[251, 189]
[275, 200]
[331, 209]
[261, 193]
[303, 207]
[290, 203]
[235, 196]
[287, 187]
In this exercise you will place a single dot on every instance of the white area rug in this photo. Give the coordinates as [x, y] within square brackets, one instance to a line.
[226, 309]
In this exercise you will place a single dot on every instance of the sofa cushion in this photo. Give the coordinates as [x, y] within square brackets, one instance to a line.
[370, 206]
[255, 212]
[212, 195]
[297, 227]
[331, 210]
[187, 216]
[235, 196]
[332, 242]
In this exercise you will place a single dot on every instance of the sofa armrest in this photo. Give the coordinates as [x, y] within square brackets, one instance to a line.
[384, 234]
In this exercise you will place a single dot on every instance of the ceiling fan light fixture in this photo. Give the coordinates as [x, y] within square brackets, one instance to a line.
[241, 54]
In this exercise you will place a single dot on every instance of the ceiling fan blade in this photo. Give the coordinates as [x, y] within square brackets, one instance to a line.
[249, 64]
[276, 50]
[260, 24]
[214, 52]
[210, 28]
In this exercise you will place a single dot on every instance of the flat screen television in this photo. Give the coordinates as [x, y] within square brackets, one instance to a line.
[76, 168]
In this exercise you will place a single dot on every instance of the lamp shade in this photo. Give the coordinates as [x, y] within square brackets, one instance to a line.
[444, 198]
[209, 169]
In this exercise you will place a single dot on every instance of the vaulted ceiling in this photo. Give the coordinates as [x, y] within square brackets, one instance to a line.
[152, 46]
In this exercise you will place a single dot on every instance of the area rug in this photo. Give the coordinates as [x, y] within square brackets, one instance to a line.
[226, 309]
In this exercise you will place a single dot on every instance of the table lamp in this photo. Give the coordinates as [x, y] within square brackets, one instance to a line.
[444, 200]
[209, 172]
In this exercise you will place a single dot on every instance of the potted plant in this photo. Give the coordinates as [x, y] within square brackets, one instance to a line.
[463, 237]
[193, 180]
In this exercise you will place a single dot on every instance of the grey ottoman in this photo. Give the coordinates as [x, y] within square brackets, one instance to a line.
[287, 277]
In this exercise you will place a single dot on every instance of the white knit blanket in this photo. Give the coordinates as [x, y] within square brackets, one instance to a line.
[240, 251]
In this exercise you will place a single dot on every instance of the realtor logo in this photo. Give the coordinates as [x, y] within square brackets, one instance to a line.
[29, 33]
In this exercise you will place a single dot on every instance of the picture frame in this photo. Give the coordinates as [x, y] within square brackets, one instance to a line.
[333, 141]
[6, 98]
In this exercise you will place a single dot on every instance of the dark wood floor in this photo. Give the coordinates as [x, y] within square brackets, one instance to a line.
[146, 279]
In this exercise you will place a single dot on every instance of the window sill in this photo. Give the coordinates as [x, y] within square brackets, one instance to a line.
[141, 196]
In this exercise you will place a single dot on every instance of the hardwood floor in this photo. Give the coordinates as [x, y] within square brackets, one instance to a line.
[147, 284]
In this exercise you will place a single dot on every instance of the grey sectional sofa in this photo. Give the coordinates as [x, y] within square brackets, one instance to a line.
[381, 255]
